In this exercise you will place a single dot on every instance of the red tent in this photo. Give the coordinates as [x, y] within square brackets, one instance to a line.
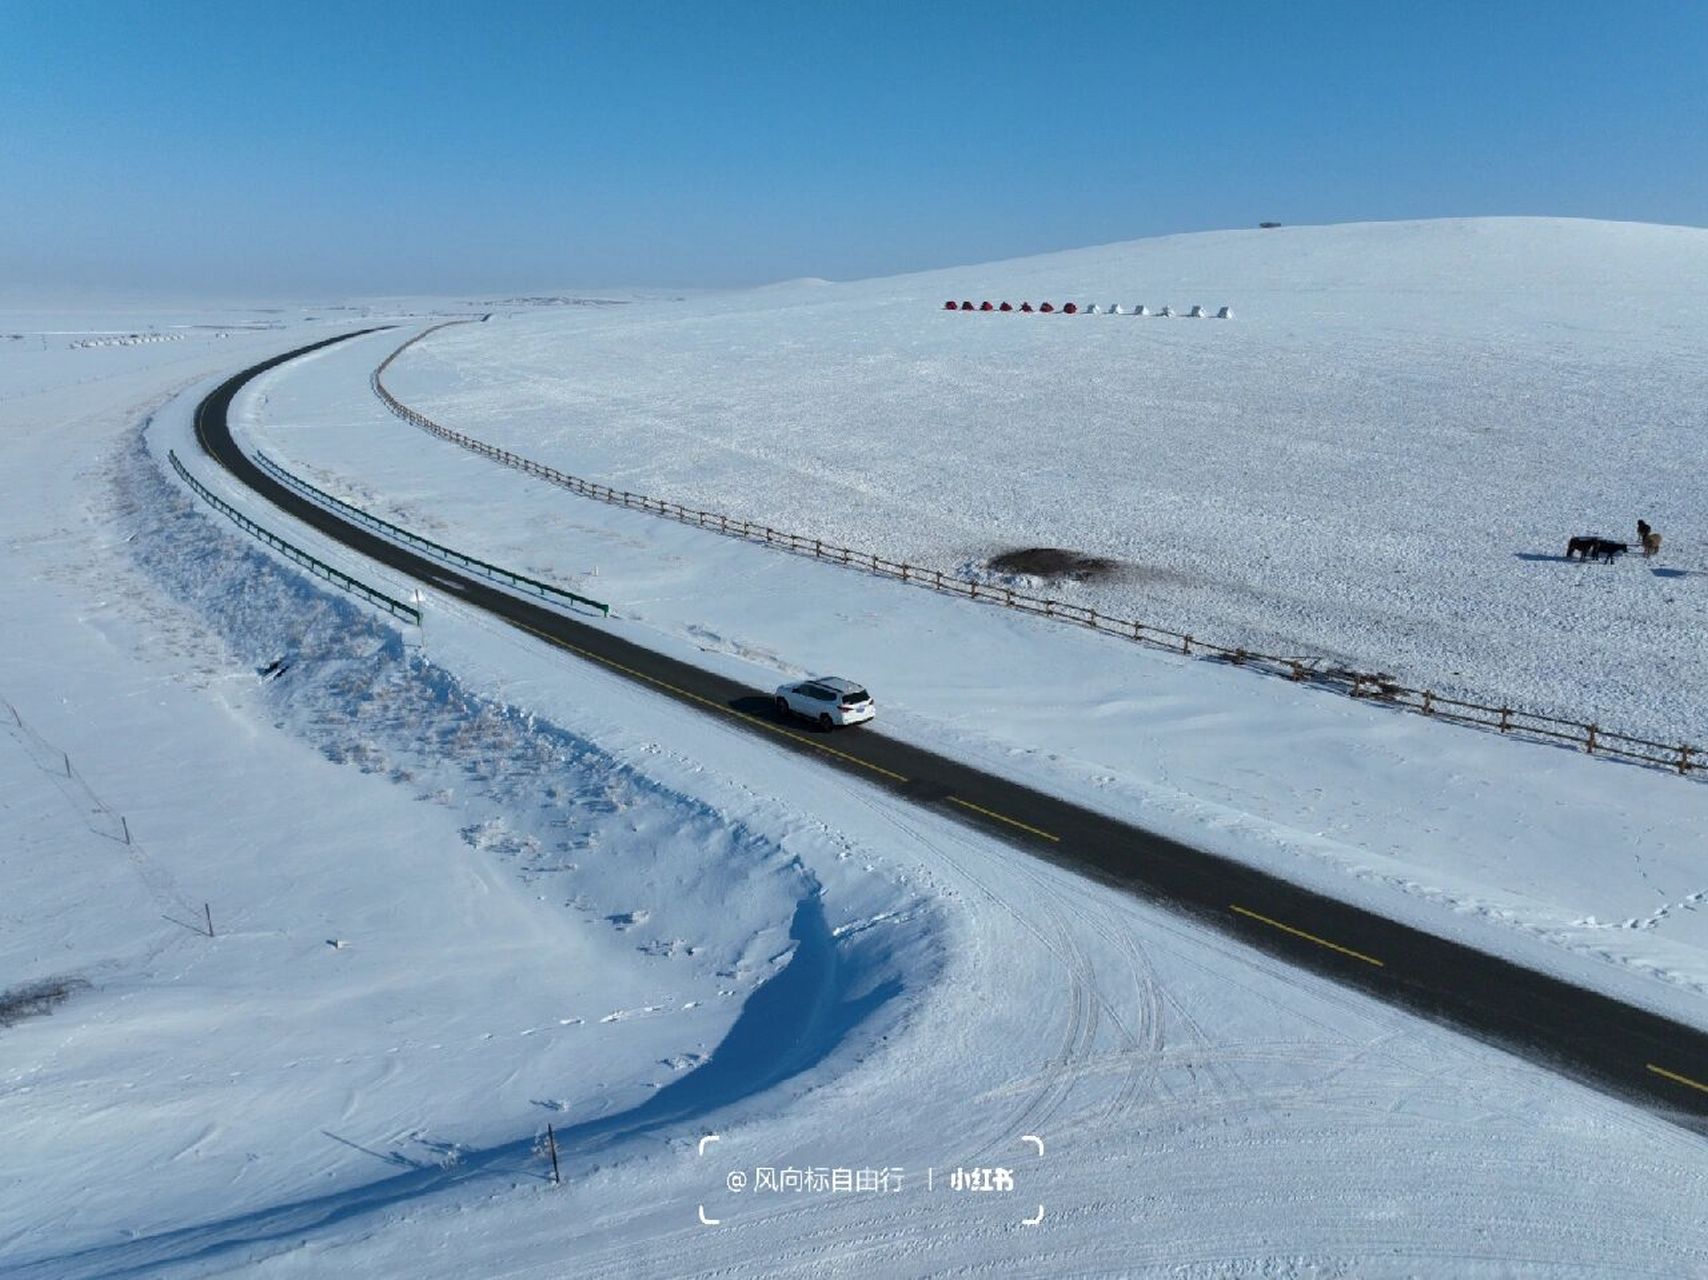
[966, 306]
[985, 306]
[1046, 308]
[1025, 306]
[950, 305]
[1070, 308]
[1005, 307]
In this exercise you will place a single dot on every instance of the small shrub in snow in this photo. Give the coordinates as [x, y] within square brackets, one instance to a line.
[35, 999]
[1052, 563]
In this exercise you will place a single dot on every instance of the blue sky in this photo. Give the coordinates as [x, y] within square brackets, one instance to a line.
[308, 148]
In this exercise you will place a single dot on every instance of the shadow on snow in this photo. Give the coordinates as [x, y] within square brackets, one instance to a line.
[789, 1024]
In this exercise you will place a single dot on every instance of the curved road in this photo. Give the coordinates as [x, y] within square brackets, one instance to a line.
[1616, 1047]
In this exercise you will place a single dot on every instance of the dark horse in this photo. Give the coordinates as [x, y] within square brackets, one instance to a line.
[1589, 547]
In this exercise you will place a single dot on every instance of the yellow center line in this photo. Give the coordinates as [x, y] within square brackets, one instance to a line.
[992, 813]
[1309, 937]
[1673, 1075]
[708, 702]
[559, 642]
[731, 711]
[774, 728]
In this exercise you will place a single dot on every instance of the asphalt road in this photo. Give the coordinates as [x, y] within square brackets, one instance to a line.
[1615, 1047]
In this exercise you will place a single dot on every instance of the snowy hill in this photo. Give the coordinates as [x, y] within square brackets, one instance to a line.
[1379, 458]
[466, 886]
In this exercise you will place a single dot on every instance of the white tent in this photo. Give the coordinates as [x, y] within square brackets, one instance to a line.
[1226, 313]
[1094, 310]
[1197, 312]
[1140, 310]
[1116, 310]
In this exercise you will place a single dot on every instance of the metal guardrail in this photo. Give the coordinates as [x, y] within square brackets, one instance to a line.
[496, 573]
[1684, 759]
[319, 568]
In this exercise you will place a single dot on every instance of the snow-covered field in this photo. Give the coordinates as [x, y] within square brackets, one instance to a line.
[563, 900]
[1559, 860]
[1380, 458]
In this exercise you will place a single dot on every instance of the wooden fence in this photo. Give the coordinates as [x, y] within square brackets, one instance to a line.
[1372, 686]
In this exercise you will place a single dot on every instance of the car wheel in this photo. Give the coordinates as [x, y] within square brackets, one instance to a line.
[824, 721]
[782, 705]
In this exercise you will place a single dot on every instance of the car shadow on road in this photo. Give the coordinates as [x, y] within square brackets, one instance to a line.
[759, 708]
[766, 709]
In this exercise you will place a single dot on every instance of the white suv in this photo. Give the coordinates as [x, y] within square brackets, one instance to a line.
[827, 701]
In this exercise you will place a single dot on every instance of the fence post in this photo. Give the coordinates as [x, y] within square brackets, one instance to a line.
[126, 826]
[1684, 759]
[1186, 644]
[1589, 740]
[1505, 719]
[1298, 671]
[1428, 703]
[551, 1140]
[208, 912]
